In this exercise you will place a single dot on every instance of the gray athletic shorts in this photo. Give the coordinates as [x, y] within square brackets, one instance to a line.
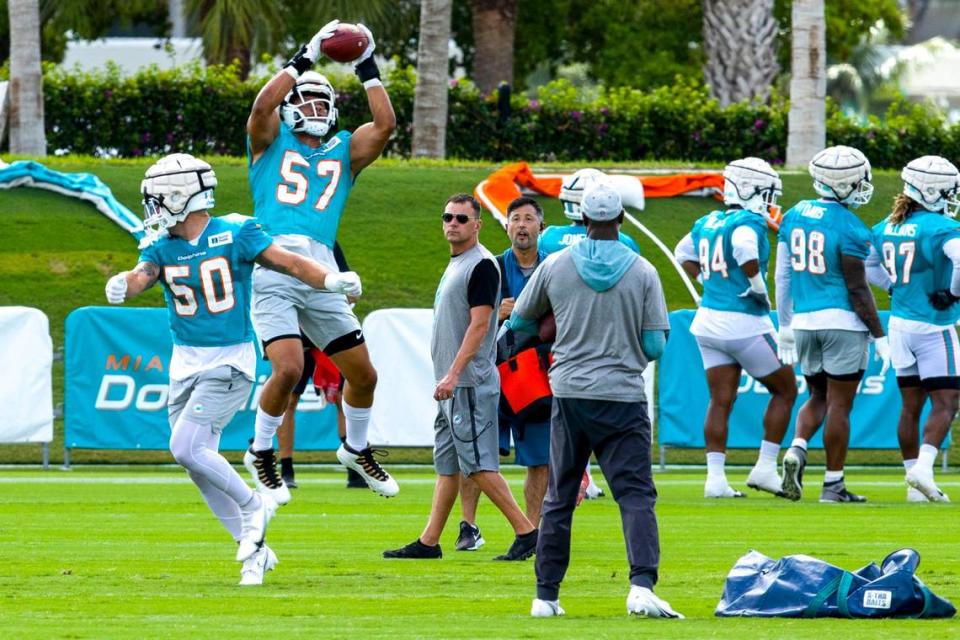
[925, 355]
[210, 397]
[282, 305]
[756, 354]
[836, 352]
[466, 431]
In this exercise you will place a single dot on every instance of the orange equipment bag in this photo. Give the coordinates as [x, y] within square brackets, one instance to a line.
[524, 385]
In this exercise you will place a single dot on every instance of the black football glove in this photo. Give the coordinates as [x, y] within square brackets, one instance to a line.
[943, 299]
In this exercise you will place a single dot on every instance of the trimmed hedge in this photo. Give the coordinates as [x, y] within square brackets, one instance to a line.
[204, 111]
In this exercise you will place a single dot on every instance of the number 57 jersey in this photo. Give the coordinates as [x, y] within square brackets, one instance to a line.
[302, 190]
[207, 282]
[816, 234]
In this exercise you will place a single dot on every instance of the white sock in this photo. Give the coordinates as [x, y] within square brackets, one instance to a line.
[928, 455]
[768, 454]
[832, 476]
[358, 419]
[908, 464]
[264, 429]
[799, 442]
[715, 463]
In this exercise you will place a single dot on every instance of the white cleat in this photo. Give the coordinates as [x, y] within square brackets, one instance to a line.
[257, 565]
[593, 492]
[719, 488]
[765, 479]
[913, 495]
[367, 466]
[643, 602]
[546, 608]
[922, 480]
[254, 525]
[262, 465]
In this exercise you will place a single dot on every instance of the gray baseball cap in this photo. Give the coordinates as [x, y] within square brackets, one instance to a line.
[601, 202]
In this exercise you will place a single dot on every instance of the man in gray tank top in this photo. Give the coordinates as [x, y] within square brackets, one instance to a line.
[611, 321]
[463, 347]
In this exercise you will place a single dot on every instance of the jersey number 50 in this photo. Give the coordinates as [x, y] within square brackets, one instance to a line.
[806, 252]
[293, 189]
[184, 298]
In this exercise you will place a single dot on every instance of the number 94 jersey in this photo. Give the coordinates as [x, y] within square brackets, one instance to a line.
[723, 281]
[299, 189]
[912, 254]
[207, 283]
[817, 233]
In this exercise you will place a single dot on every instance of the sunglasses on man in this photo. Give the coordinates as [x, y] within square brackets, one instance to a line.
[462, 218]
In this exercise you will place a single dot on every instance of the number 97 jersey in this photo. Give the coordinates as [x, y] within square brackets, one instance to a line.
[299, 189]
[207, 283]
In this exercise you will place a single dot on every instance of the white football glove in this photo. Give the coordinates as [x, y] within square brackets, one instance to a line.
[347, 283]
[370, 47]
[787, 347]
[116, 289]
[760, 297]
[881, 351]
[313, 47]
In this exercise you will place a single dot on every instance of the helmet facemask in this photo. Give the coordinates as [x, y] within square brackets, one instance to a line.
[313, 93]
[842, 174]
[573, 188]
[933, 183]
[754, 185]
[174, 187]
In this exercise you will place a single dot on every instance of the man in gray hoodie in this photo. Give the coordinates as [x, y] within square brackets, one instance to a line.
[611, 321]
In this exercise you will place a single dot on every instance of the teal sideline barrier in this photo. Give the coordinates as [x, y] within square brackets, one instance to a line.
[116, 387]
[682, 398]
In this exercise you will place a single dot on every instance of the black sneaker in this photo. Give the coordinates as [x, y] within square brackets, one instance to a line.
[837, 492]
[416, 550]
[286, 472]
[794, 462]
[522, 548]
[469, 538]
[355, 480]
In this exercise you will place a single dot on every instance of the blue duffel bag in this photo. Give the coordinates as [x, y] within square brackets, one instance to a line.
[803, 587]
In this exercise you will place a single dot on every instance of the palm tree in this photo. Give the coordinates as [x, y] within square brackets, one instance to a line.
[26, 80]
[431, 93]
[739, 38]
[807, 128]
[229, 28]
[494, 25]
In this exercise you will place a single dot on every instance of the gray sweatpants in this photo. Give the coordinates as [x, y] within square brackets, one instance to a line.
[619, 433]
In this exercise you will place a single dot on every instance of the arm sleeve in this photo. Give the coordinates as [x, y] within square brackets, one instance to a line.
[876, 274]
[252, 240]
[484, 285]
[951, 249]
[654, 304]
[782, 280]
[745, 244]
[653, 343]
[856, 241]
[685, 251]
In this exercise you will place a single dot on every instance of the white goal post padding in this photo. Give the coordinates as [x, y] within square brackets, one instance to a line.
[26, 392]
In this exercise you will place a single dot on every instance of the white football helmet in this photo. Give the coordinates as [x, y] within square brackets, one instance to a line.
[843, 174]
[174, 187]
[753, 184]
[932, 182]
[313, 89]
[571, 191]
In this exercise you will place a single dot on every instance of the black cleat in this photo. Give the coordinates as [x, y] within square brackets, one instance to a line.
[469, 538]
[355, 480]
[522, 548]
[794, 462]
[416, 550]
[837, 492]
[286, 472]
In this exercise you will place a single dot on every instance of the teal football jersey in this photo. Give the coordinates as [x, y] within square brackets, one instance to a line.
[723, 280]
[557, 238]
[300, 189]
[207, 285]
[912, 254]
[817, 233]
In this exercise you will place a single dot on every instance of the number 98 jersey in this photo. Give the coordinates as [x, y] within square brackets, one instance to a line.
[299, 189]
[817, 233]
[207, 283]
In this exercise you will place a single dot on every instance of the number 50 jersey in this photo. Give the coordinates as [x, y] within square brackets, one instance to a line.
[207, 283]
[299, 189]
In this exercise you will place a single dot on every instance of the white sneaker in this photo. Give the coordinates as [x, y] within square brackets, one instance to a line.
[643, 602]
[254, 525]
[720, 488]
[765, 479]
[367, 466]
[546, 608]
[921, 479]
[262, 465]
[913, 495]
[257, 565]
[593, 491]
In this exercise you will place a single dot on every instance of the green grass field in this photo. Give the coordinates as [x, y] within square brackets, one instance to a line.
[134, 553]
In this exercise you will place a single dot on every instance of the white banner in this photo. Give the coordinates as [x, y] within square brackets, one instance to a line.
[26, 393]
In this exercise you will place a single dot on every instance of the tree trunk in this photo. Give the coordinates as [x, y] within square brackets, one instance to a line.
[432, 91]
[178, 19]
[27, 136]
[739, 39]
[807, 127]
[494, 25]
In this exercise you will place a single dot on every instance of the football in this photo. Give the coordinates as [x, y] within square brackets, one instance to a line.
[346, 44]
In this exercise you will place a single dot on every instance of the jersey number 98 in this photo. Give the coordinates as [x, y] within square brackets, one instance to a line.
[806, 252]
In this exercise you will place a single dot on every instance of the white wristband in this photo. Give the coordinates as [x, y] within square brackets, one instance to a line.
[292, 72]
[371, 83]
